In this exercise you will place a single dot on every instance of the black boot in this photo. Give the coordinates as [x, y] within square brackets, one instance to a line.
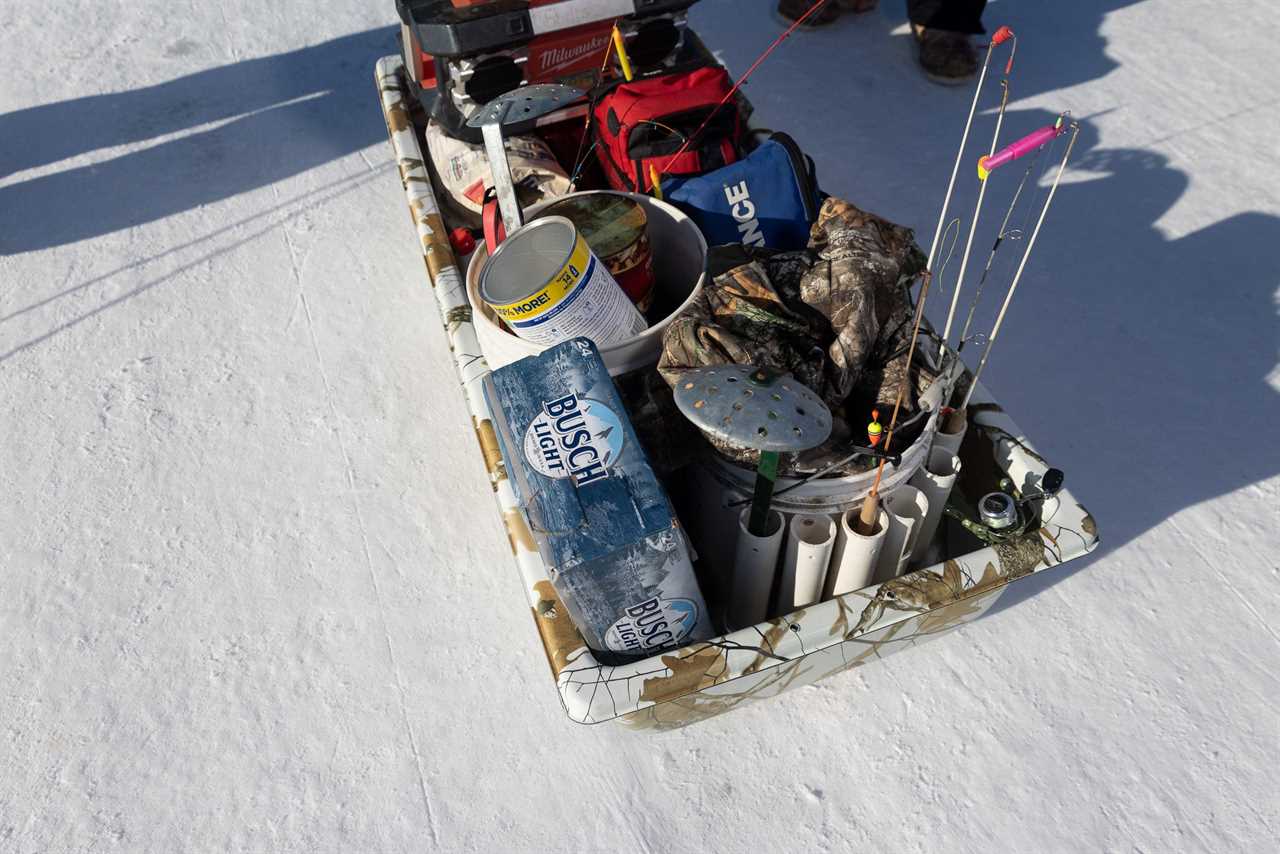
[793, 10]
[946, 57]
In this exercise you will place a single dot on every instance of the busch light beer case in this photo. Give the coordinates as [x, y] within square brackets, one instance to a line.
[602, 521]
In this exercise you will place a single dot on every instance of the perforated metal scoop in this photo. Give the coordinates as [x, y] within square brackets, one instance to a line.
[753, 408]
[525, 104]
[759, 409]
[515, 107]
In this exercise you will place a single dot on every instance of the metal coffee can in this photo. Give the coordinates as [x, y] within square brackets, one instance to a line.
[616, 227]
[548, 286]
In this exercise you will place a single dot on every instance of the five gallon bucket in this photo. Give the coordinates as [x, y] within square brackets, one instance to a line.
[723, 486]
[679, 266]
[832, 495]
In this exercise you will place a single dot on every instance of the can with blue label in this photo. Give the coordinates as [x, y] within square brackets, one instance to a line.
[547, 285]
[613, 548]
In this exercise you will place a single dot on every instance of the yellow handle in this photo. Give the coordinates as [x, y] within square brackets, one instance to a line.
[620, 46]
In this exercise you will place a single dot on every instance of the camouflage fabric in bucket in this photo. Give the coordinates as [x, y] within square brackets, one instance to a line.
[836, 316]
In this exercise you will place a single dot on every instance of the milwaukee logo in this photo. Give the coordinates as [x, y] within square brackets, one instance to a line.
[559, 57]
[744, 213]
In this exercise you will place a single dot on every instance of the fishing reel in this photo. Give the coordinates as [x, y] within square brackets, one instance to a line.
[1006, 515]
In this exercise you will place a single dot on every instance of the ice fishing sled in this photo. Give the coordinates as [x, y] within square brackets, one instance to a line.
[798, 639]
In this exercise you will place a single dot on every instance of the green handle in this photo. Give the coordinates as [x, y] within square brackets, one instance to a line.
[766, 474]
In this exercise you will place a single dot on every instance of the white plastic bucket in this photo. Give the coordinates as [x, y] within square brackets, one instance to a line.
[679, 265]
[832, 495]
[721, 485]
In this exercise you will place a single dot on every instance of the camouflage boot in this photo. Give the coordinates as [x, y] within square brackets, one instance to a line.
[946, 57]
[792, 10]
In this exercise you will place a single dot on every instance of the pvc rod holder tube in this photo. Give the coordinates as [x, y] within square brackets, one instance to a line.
[951, 440]
[907, 508]
[854, 563]
[810, 540]
[935, 480]
[754, 564]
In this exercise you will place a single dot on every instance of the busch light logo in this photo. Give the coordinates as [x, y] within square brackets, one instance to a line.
[652, 625]
[574, 437]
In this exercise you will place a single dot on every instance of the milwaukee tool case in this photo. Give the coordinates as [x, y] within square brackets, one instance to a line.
[461, 54]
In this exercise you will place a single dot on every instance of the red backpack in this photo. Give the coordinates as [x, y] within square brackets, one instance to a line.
[649, 120]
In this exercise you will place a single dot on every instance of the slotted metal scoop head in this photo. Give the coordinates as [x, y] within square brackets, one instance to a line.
[754, 408]
[518, 105]
[525, 104]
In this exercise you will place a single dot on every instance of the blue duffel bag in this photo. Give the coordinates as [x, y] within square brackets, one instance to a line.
[768, 199]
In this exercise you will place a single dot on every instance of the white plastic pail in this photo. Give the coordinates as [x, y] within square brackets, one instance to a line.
[679, 265]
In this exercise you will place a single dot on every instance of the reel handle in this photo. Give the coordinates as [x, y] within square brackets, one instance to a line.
[1024, 146]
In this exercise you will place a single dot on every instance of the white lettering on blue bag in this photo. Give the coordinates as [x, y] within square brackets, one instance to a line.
[768, 199]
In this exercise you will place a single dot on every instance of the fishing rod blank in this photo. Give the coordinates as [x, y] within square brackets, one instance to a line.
[1018, 149]
[866, 523]
[977, 213]
[1001, 35]
[995, 247]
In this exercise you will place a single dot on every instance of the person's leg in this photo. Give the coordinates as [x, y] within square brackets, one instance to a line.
[955, 16]
[942, 29]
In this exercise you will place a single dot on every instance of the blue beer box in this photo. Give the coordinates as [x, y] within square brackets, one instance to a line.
[617, 556]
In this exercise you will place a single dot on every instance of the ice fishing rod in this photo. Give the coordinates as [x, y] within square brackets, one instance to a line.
[1003, 233]
[986, 166]
[977, 208]
[870, 505]
[1002, 35]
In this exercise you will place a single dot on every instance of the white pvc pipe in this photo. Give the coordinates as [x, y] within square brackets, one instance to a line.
[853, 566]
[950, 441]
[754, 563]
[804, 569]
[907, 508]
[935, 481]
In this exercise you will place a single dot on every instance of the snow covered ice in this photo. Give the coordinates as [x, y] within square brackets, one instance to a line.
[254, 595]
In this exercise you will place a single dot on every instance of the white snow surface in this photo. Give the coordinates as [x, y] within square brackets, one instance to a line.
[254, 594]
